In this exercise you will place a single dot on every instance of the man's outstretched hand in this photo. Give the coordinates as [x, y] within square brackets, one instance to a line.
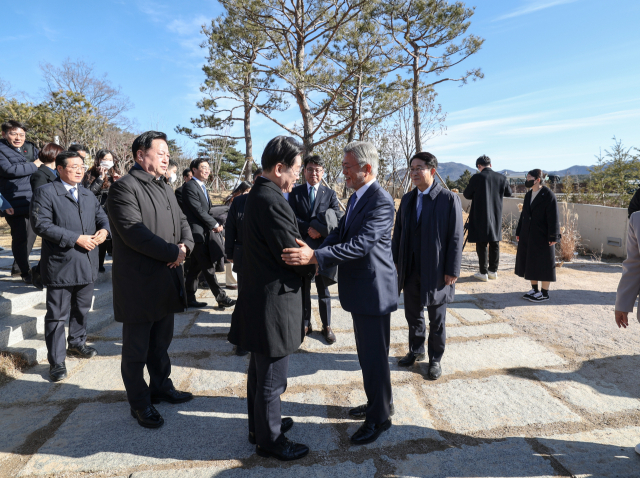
[299, 256]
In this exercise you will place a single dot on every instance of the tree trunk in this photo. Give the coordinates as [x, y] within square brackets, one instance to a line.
[354, 110]
[301, 94]
[415, 87]
[248, 155]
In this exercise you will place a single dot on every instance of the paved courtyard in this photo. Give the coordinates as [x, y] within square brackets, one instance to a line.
[522, 395]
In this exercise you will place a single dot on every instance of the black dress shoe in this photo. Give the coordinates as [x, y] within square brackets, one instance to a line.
[287, 423]
[409, 359]
[82, 351]
[226, 302]
[435, 371]
[102, 269]
[284, 450]
[240, 352]
[58, 372]
[148, 417]
[195, 304]
[328, 334]
[27, 278]
[360, 412]
[369, 432]
[172, 396]
[203, 284]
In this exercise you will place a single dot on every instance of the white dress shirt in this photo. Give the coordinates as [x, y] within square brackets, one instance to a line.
[359, 193]
[69, 187]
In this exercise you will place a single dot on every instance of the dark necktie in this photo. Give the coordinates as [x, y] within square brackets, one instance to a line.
[419, 208]
[72, 191]
[312, 197]
[352, 201]
[205, 192]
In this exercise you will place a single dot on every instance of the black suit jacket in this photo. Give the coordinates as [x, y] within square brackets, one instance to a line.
[44, 175]
[442, 238]
[60, 221]
[196, 208]
[486, 190]
[146, 228]
[268, 316]
[299, 201]
[233, 232]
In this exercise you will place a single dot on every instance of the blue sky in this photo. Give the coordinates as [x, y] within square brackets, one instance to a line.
[562, 77]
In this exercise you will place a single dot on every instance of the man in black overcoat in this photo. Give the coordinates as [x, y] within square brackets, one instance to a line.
[196, 206]
[486, 191]
[151, 238]
[427, 250]
[268, 315]
[308, 201]
[72, 224]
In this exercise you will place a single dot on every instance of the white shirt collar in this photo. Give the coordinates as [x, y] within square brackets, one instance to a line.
[197, 181]
[426, 191]
[360, 192]
[309, 186]
[68, 186]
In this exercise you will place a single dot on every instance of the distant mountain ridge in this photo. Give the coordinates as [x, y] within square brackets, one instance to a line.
[571, 171]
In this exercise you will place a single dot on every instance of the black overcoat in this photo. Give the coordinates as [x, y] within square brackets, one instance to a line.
[146, 226]
[233, 232]
[442, 238]
[538, 226]
[268, 316]
[60, 221]
[44, 175]
[486, 191]
[196, 207]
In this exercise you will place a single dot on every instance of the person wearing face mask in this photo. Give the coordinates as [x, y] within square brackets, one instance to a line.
[537, 233]
[172, 172]
[95, 177]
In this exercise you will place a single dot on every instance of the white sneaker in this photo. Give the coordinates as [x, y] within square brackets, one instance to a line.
[529, 294]
[492, 275]
[481, 277]
[638, 448]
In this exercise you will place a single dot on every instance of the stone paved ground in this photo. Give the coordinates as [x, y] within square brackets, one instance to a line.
[528, 391]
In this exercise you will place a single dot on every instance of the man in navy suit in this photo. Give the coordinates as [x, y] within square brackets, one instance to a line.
[307, 201]
[367, 281]
[427, 249]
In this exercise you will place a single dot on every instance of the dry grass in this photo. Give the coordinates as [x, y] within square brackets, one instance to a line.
[570, 235]
[11, 366]
[5, 233]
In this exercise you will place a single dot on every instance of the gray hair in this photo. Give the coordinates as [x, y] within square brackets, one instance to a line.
[365, 153]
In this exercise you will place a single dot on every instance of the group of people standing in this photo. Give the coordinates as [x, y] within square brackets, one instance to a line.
[279, 239]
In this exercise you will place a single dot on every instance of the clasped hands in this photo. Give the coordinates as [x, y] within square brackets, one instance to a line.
[299, 256]
[182, 255]
[91, 242]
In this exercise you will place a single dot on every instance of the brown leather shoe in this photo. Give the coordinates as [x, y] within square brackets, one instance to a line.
[329, 336]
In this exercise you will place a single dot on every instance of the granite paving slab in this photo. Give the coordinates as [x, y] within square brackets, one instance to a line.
[311, 425]
[607, 453]
[511, 458]
[341, 320]
[502, 353]
[366, 469]
[33, 384]
[480, 330]
[329, 368]
[600, 397]
[316, 342]
[411, 420]
[206, 428]
[218, 372]
[470, 312]
[210, 322]
[499, 401]
[17, 423]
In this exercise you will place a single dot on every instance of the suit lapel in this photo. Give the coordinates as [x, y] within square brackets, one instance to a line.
[319, 197]
[360, 204]
[538, 199]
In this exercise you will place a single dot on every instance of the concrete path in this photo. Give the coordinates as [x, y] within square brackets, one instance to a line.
[508, 405]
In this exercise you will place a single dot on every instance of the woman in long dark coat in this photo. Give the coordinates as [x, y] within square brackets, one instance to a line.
[537, 234]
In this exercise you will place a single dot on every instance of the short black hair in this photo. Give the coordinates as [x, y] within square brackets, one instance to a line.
[186, 172]
[483, 161]
[281, 149]
[74, 148]
[429, 159]
[172, 164]
[13, 124]
[537, 174]
[195, 164]
[315, 159]
[63, 158]
[143, 142]
[101, 154]
[257, 173]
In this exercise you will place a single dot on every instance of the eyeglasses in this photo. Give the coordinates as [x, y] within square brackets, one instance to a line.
[417, 170]
[315, 171]
[16, 135]
[75, 168]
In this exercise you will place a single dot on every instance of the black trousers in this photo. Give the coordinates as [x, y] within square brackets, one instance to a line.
[494, 256]
[372, 342]
[266, 381]
[147, 344]
[201, 261]
[103, 248]
[324, 301]
[62, 302]
[414, 313]
[22, 239]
